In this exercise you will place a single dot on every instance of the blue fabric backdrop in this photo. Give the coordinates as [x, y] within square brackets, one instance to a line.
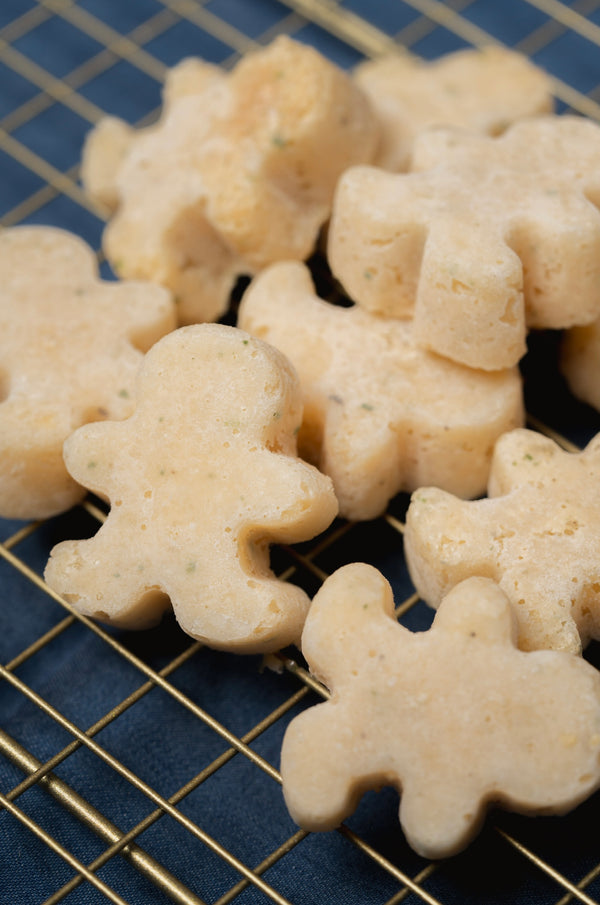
[162, 740]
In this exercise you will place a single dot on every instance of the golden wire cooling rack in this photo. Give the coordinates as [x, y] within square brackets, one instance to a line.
[143, 768]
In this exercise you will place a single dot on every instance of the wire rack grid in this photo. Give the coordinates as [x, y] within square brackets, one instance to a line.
[143, 767]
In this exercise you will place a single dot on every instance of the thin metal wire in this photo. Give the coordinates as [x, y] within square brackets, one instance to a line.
[44, 769]
[419, 878]
[41, 642]
[119, 44]
[399, 875]
[143, 667]
[56, 90]
[350, 28]
[125, 839]
[395, 523]
[552, 29]
[225, 32]
[142, 786]
[478, 37]
[559, 438]
[589, 877]
[569, 17]
[577, 893]
[60, 850]
[26, 531]
[422, 26]
[268, 862]
[43, 196]
[61, 182]
[91, 68]
[25, 23]
[89, 815]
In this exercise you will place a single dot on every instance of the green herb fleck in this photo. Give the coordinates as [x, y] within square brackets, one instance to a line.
[276, 416]
[123, 393]
[367, 406]
[278, 141]
[368, 274]
[91, 464]
[191, 567]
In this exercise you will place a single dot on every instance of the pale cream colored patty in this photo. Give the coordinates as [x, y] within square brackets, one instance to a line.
[380, 413]
[482, 240]
[239, 171]
[484, 90]
[456, 718]
[70, 347]
[201, 478]
[537, 535]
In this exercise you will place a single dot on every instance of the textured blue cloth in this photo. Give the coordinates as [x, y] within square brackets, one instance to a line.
[78, 673]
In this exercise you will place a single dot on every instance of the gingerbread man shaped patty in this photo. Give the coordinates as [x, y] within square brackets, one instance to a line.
[537, 534]
[455, 718]
[201, 479]
[70, 347]
[483, 239]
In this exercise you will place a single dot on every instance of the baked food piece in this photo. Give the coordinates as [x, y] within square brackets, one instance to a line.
[455, 718]
[580, 362]
[201, 479]
[485, 238]
[70, 346]
[110, 142]
[149, 182]
[234, 176]
[380, 413]
[484, 90]
[537, 535]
